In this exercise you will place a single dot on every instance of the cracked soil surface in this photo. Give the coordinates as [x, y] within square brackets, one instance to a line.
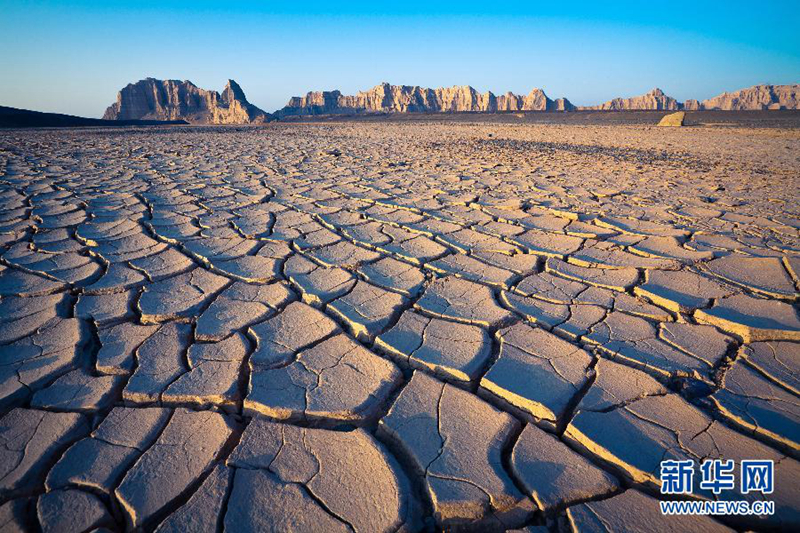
[400, 326]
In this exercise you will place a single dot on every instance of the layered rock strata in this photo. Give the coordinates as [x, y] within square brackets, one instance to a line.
[152, 99]
[386, 98]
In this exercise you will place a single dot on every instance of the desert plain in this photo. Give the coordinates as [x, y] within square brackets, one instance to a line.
[411, 325]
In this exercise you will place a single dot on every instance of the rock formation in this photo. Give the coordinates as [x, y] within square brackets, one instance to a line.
[535, 100]
[152, 99]
[754, 98]
[654, 100]
[757, 97]
[386, 98]
[691, 105]
[673, 119]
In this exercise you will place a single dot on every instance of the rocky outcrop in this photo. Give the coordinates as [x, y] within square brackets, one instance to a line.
[757, 97]
[754, 98]
[152, 99]
[691, 105]
[673, 119]
[654, 100]
[535, 100]
[386, 98]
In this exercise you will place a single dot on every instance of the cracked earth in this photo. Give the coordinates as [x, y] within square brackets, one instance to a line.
[393, 326]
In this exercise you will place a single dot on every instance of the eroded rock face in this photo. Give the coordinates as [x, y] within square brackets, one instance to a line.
[535, 100]
[691, 105]
[655, 99]
[152, 99]
[386, 98]
[757, 97]
[752, 98]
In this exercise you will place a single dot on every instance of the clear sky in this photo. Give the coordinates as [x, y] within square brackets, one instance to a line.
[73, 57]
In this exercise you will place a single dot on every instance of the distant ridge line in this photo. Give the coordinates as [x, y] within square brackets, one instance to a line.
[386, 98]
[161, 102]
[12, 117]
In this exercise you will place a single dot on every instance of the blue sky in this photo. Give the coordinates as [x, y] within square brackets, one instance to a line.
[72, 57]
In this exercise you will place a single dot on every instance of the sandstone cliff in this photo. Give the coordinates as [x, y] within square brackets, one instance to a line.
[386, 98]
[757, 97]
[691, 105]
[535, 100]
[753, 98]
[654, 100]
[152, 99]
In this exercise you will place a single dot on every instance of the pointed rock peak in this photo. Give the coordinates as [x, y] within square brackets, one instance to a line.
[657, 92]
[183, 100]
[233, 92]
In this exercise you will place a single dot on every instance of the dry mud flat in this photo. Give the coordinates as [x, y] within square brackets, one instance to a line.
[393, 327]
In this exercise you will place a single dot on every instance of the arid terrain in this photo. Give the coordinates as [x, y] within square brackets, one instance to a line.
[410, 325]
